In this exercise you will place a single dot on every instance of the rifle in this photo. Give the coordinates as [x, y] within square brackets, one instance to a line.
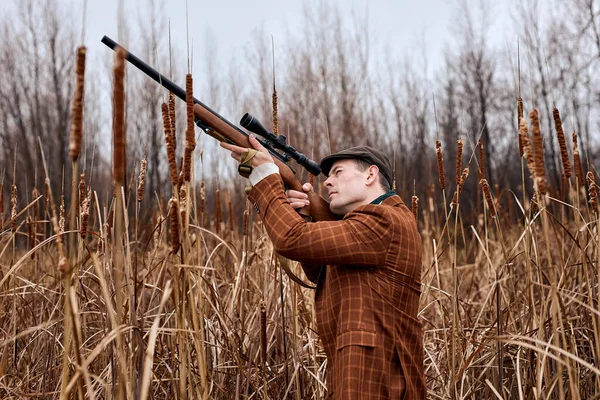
[221, 129]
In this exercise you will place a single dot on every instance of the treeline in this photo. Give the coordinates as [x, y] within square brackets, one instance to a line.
[336, 87]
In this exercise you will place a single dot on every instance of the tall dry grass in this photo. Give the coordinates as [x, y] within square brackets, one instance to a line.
[179, 307]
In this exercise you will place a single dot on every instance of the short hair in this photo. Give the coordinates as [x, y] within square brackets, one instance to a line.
[363, 165]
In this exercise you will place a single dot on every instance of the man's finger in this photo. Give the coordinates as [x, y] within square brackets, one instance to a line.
[256, 144]
[307, 187]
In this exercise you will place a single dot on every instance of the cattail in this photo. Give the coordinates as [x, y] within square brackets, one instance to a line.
[219, 211]
[527, 150]
[593, 189]
[119, 117]
[459, 150]
[488, 196]
[562, 143]
[461, 184]
[174, 225]
[190, 136]
[415, 207]
[311, 180]
[245, 224]
[535, 206]
[577, 161]
[538, 152]
[81, 191]
[13, 208]
[77, 106]
[275, 122]
[142, 184]
[170, 145]
[172, 119]
[481, 159]
[85, 214]
[61, 216]
[519, 117]
[440, 161]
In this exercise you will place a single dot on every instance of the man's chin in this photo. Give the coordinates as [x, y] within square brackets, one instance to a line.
[337, 210]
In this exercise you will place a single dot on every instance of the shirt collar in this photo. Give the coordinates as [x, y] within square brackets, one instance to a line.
[384, 196]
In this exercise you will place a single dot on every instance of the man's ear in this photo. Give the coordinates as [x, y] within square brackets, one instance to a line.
[373, 174]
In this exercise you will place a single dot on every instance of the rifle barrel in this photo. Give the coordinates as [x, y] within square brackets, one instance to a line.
[163, 80]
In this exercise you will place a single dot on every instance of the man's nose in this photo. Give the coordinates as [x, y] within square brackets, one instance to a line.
[327, 183]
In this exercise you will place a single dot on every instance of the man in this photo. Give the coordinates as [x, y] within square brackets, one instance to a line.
[367, 296]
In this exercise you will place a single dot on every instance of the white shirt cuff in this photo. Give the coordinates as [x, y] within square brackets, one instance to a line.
[262, 171]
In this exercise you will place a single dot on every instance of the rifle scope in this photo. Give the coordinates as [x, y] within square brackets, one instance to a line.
[279, 142]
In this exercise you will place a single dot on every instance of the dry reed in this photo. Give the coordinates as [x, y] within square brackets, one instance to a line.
[85, 214]
[219, 213]
[519, 117]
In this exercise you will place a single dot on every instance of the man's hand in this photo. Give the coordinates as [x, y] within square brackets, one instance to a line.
[299, 199]
[261, 157]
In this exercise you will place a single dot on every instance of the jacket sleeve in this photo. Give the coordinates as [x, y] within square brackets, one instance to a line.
[361, 238]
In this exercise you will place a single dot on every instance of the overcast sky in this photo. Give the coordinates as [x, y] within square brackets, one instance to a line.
[404, 24]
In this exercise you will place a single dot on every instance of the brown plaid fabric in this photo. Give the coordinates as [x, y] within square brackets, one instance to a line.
[367, 297]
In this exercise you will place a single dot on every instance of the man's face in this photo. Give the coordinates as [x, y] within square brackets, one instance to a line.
[347, 186]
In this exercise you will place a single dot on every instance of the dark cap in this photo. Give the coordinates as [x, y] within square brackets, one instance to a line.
[365, 153]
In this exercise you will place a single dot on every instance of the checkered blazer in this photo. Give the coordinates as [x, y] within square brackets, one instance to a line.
[367, 296]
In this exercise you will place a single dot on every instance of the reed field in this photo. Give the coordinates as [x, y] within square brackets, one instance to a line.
[100, 301]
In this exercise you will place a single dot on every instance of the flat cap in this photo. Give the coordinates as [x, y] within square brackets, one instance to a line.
[365, 153]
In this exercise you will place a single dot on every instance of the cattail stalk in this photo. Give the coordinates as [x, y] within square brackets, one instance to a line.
[230, 212]
[459, 150]
[13, 208]
[172, 120]
[81, 192]
[77, 106]
[119, 117]
[538, 152]
[488, 196]
[562, 143]
[183, 207]
[481, 160]
[440, 162]
[593, 190]
[190, 137]
[47, 195]
[415, 207]
[174, 225]
[85, 214]
[461, 184]
[577, 161]
[142, 183]
[36, 210]
[170, 145]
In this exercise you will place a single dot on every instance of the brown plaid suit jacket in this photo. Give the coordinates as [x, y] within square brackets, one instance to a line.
[367, 297]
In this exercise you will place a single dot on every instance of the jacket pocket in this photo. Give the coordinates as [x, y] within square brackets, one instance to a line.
[356, 338]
